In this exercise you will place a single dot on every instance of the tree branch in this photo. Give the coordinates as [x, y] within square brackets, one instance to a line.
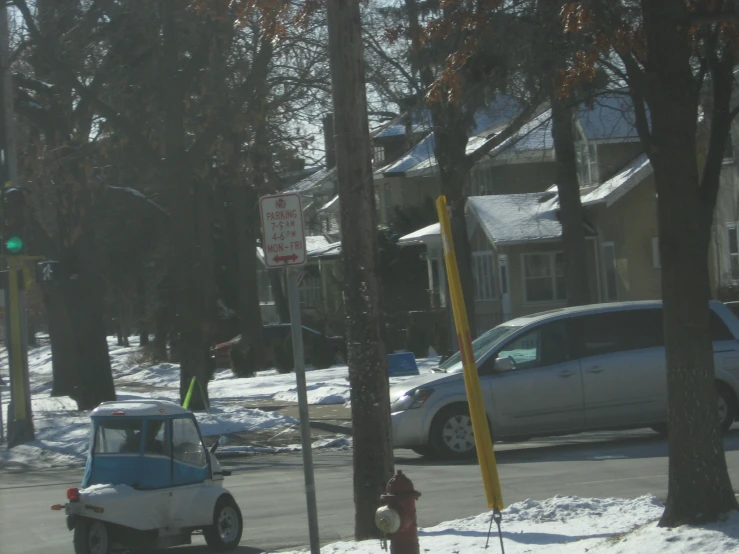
[107, 111]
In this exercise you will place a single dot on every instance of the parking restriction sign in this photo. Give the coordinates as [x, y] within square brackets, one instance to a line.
[283, 234]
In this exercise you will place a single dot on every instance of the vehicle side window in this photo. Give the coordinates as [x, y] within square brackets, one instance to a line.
[543, 346]
[719, 330]
[186, 443]
[157, 441]
[619, 331]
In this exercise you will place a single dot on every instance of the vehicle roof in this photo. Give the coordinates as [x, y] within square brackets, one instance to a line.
[139, 408]
[587, 309]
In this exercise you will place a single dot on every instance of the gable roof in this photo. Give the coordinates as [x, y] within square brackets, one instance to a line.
[420, 123]
[420, 160]
[621, 183]
[509, 219]
[316, 180]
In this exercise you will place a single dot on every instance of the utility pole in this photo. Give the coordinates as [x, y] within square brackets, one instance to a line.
[20, 422]
[368, 378]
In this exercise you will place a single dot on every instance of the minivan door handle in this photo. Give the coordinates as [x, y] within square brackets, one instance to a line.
[566, 373]
[595, 369]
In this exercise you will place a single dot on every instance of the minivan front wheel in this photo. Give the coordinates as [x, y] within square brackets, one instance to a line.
[451, 433]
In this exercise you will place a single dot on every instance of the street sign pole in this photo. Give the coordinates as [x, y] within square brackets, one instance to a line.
[305, 438]
[283, 244]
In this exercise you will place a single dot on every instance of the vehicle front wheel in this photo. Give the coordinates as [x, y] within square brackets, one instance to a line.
[91, 537]
[451, 433]
[225, 533]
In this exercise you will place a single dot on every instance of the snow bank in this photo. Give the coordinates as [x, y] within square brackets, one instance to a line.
[569, 525]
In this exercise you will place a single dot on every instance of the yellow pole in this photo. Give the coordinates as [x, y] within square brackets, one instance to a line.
[483, 441]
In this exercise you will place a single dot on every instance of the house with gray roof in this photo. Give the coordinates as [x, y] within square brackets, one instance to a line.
[513, 216]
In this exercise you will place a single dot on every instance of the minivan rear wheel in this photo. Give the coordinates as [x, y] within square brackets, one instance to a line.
[726, 411]
[726, 408]
[451, 433]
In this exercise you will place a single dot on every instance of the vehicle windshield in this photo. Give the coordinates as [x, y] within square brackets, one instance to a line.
[480, 346]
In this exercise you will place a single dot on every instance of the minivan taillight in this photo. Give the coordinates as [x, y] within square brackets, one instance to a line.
[73, 494]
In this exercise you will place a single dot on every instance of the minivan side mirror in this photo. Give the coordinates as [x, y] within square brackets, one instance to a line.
[504, 364]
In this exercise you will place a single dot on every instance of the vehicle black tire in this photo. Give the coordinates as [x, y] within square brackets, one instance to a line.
[91, 536]
[726, 407]
[225, 533]
[451, 436]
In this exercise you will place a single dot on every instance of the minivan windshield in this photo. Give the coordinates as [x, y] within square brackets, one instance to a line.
[480, 346]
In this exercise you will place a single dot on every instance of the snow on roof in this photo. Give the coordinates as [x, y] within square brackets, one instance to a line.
[420, 159]
[420, 120]
[330, 251]
[515, 218]
[433, 230]
[621, 183]
[333, 203]
[138, 408]
[420, 154]
[316, 242]
[535, 135]
[312, 181]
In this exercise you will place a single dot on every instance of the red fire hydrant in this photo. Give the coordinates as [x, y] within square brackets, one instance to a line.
[398, 517]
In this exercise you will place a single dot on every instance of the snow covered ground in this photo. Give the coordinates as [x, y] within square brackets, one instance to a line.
[569, 525]
[62, 431]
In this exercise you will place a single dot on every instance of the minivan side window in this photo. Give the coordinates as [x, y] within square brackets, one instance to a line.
[543, 346]
[618, 331]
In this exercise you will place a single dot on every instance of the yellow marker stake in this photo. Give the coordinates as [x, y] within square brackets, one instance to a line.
[483, 442]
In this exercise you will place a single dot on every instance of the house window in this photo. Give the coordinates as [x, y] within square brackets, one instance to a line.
[609, 271]
[265, 287]
[311, 291]
[482, 272]
[388, 196]
[656, 262]
[379, 154]
[543, 276]
[733, 230]
[587, 164]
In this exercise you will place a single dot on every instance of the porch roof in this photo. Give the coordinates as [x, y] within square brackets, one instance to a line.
[431, 232]
[509, 219]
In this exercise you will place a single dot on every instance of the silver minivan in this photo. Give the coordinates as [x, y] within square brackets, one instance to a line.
[565, 371]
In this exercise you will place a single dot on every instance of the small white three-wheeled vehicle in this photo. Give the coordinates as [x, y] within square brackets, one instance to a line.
[149, 483]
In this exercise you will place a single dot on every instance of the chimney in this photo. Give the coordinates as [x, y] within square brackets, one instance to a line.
[328, 140]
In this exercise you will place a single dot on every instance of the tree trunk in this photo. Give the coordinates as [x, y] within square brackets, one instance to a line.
[699, 486]
[83, 298]
[250, 314]
[571, 213]
[373, 453]
[141, 311]
[450, 143]
[189, 302]
[63, 355]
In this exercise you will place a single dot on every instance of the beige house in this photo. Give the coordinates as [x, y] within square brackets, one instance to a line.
[517, 258]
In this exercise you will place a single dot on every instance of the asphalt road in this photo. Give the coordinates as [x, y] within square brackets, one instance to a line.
[269, 489]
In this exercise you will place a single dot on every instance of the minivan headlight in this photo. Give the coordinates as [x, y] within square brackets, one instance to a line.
[411, 400]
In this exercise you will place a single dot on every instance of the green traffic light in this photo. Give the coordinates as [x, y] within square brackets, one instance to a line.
[14, 245]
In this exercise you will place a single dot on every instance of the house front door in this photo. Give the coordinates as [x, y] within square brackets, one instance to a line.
[505, 291]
